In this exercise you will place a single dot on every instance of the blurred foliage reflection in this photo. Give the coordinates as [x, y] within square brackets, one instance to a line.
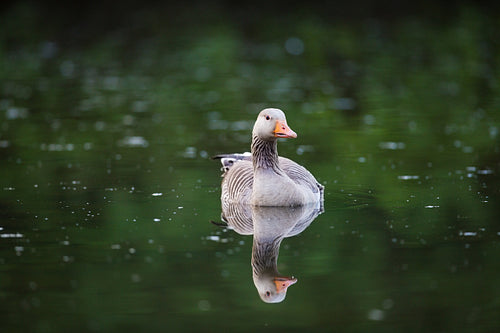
[108, 117]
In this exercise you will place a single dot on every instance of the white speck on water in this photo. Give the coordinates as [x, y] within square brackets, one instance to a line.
[213, 238]
[343, 103]
[189, 152]
[203, 154]
[485, 172]
[12, 235]
[493, 132]
[376, 314]
[392, 145]
[180, 207]
[156, 220]
[408, 177]
[16, 113]
[204, 305]
[468, 233]
[157, 194]
[115, 246]
[431, 206]
[131, 250]
[294, 46]
[135, 278]
[361, 159]
[134, 141]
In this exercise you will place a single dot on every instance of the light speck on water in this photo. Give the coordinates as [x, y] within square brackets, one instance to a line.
[376, 314]
[392, 145]
[408, 177]
[134, 141]
[12, 235]
[204, 305]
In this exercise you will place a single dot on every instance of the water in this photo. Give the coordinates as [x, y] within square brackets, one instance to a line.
[108, 192]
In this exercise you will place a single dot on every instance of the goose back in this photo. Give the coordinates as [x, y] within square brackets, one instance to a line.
[237, 183]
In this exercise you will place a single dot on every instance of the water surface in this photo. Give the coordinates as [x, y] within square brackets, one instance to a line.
[107, 189]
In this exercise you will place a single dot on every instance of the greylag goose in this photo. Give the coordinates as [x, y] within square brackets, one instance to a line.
[262, 178]
[269, 226]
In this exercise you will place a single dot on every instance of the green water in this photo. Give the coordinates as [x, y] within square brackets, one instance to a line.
[107, 189]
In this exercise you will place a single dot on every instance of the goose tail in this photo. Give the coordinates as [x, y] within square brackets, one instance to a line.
[228, 160]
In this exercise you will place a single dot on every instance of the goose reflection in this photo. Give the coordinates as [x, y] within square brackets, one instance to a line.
[269, 226]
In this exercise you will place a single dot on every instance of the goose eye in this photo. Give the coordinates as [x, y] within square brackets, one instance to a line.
[268, 293]
[267, 117]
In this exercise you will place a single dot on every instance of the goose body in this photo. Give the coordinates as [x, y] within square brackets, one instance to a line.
[263, 178]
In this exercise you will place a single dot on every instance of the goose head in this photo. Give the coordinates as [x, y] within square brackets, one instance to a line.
[271, 124]
[272, 287]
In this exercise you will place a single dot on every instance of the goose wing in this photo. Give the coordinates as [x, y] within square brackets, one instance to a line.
[237, 183]
[300, 175]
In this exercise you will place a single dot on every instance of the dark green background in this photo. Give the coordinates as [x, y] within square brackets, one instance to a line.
[109, 113]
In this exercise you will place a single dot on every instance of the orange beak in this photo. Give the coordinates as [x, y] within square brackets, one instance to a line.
[282, 283]
[283, 131]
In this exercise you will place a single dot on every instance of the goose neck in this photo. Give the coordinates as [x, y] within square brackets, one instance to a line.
[265, 154]
[265, 255]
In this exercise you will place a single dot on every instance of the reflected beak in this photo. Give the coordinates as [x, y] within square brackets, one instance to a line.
[282, 283]
[283, 131]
